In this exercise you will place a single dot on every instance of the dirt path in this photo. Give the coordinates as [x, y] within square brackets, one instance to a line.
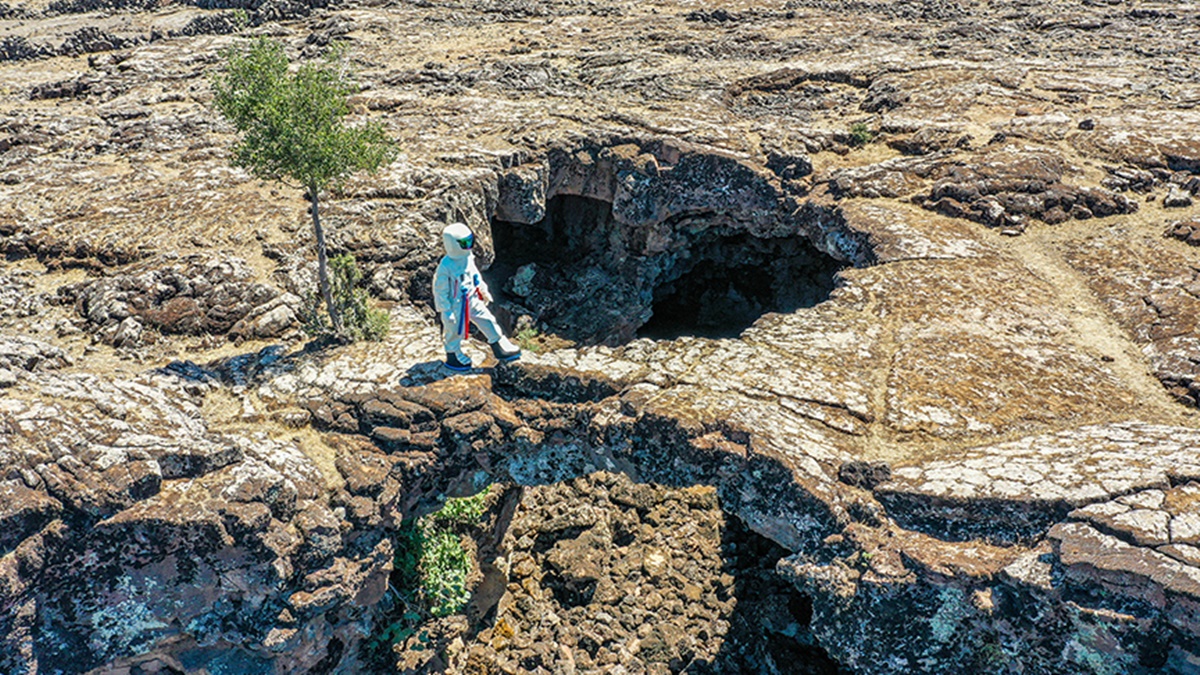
[1095, 329]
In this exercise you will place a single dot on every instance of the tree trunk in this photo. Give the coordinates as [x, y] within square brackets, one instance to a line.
[335, 317]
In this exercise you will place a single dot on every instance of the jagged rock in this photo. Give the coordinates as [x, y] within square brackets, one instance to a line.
[891, 178]
[17, 353]
[1176, 198]
[18, 48]
[788, 166]
[700, 577]
[1182, 155]
[115, 539]
[1187, 231]
[845, 312]
[523, 194]
[271, 319]
[84, 85]
[128, 333]
[884, 95]
[1007, 187]
[213, 24]
[196, 296]
[92, 39]
[929, 140]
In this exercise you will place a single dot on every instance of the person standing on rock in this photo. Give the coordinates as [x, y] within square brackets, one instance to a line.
[461, 297]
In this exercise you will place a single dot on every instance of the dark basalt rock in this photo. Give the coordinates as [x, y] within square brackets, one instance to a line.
[91, 39]
[1187, 231]
[83, 6]
[657, 241]
[213, 24]
[196, 296]
[865, 475]
[709, 597]
[1006, 194]
[17, 48]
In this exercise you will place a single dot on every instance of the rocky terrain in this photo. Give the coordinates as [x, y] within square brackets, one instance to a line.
[896, 299]
[607, 575]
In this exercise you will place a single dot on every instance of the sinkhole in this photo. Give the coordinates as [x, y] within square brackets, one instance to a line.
[588, 278]
[608, 574]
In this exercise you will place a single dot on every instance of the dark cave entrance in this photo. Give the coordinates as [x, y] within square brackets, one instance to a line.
[579, 274]
[731, 281]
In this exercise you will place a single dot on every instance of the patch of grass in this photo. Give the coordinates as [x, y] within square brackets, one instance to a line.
[861, 134]
[462, 511]
[529, 338]
[241, 19]
[410, 546]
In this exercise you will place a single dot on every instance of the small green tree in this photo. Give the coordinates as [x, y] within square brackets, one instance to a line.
[292, 125]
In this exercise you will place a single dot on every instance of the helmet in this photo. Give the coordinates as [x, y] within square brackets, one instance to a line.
[458, 240]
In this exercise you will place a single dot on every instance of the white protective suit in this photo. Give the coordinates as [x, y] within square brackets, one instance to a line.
[461, 295]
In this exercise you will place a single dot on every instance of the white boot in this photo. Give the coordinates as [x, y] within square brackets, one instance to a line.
[505, 350]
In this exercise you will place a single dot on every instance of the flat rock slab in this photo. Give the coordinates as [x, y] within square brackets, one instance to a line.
[1092, 558]
[1076, 467]
[1156, 517]
[1027, 484]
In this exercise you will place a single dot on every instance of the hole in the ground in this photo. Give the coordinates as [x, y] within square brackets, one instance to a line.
[570, 592]
[609, 574]
[731, 281]
[583, 276]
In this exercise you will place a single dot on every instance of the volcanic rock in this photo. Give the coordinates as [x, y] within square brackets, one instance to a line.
[755, 263]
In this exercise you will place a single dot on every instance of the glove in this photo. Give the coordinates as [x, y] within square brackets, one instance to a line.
[485, 296]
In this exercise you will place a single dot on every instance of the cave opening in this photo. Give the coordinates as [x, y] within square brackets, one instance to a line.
[584, 276]
[728, 282]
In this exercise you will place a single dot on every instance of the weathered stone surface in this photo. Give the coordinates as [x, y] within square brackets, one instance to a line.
[1022, 487]
[1151, 290]
[1134, 575]
[1150, 518]
[1006, 187]
[151, 530]
[18, 353]
[1003, 381]
[1186, 231]
[195, 296]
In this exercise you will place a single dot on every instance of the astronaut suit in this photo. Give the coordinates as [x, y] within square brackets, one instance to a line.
[461, 297]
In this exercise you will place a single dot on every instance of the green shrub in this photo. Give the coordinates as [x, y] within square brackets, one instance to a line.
[445, 566]
[462, 511]
[527, 339]
[431, 563]
[860, 134]
[360, 320]
[292, 127]
[410, 545]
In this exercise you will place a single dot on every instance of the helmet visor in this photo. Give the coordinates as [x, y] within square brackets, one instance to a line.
[467, 242]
